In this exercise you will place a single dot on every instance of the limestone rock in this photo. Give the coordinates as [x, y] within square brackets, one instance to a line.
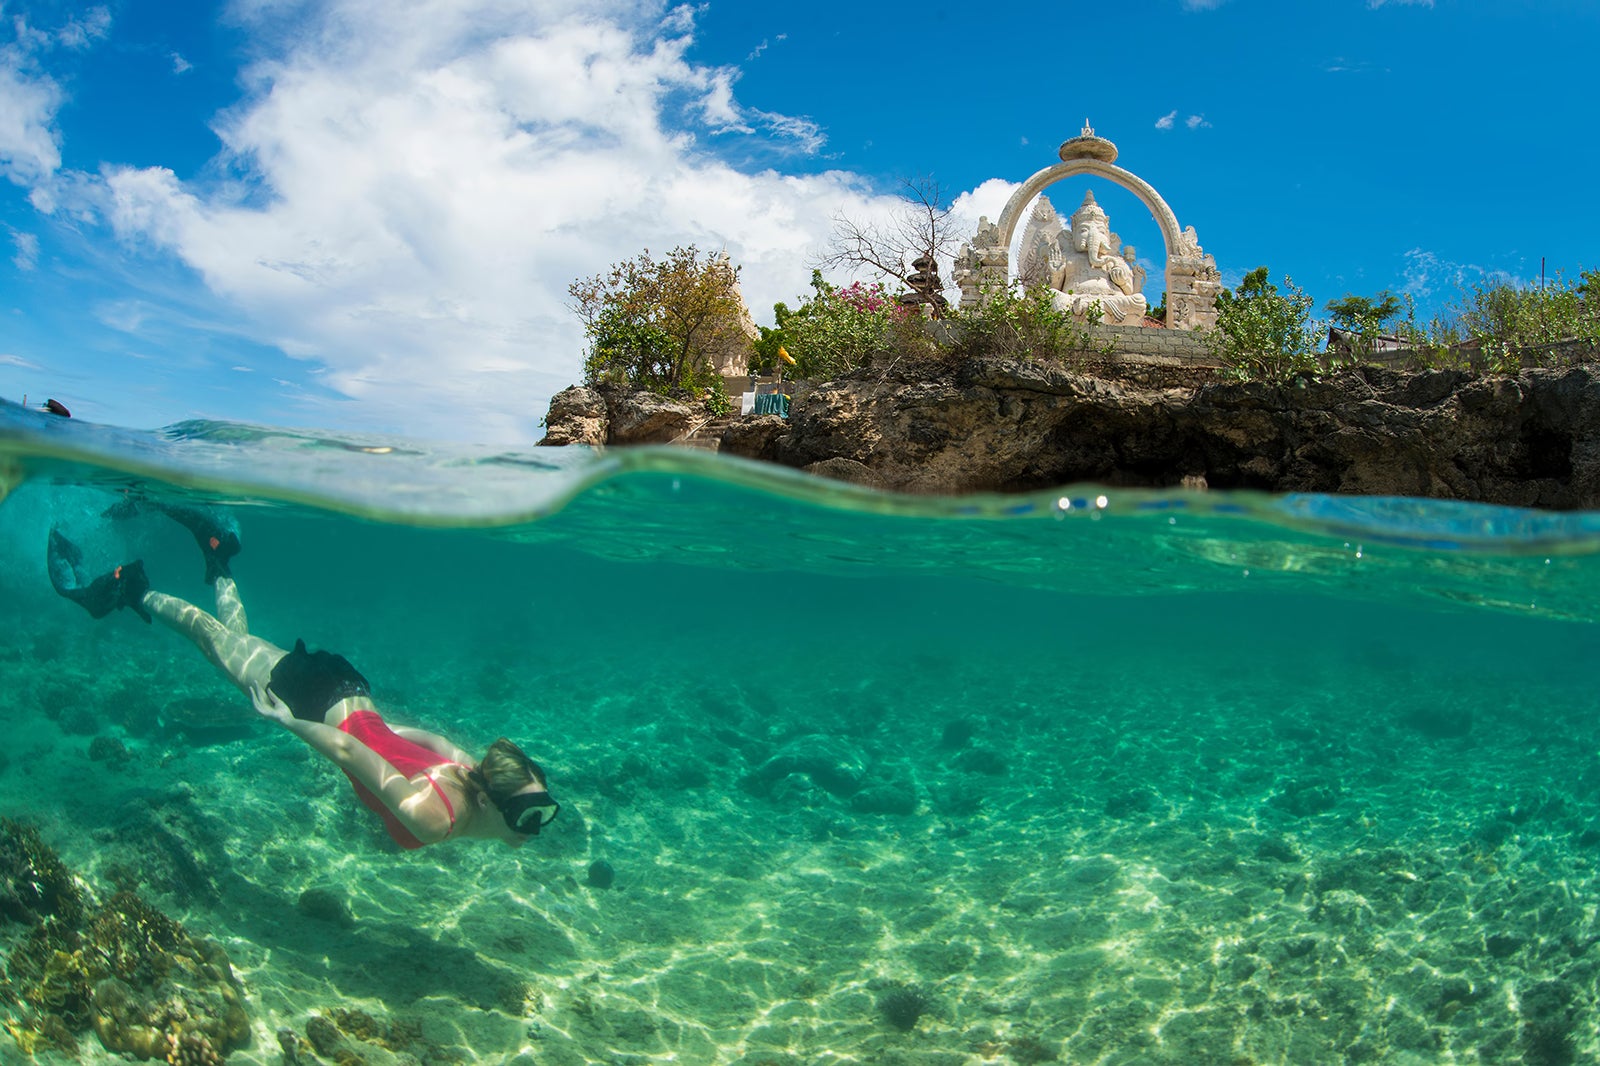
[645, 418]
[1013, 425]
[577, 416]
[755, 437]
[1008, 426]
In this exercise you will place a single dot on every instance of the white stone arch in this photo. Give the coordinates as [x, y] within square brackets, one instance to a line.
[1191, 276]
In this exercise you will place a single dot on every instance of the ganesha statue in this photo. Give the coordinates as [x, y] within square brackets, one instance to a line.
[1089, 268]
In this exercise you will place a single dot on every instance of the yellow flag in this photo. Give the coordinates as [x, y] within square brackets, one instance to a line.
[785, 356]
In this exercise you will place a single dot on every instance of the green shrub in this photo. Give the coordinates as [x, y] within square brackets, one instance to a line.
[1025, 323]
[840, 329]
[1264, 333]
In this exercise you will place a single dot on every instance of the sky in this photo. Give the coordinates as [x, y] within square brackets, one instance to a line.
[364, 215]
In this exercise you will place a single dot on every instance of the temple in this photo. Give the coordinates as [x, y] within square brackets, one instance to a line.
[1082, 259]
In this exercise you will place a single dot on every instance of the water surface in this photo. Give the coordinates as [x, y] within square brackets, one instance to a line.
[1090, 776]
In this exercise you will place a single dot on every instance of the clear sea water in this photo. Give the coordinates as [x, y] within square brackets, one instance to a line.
[1093, 776]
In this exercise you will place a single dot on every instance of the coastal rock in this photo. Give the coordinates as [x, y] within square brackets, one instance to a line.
[1017, 425]
[645, 418]
[577, 415]
[755, 437]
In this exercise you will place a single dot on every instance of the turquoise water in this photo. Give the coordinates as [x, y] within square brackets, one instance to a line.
[1091, 777]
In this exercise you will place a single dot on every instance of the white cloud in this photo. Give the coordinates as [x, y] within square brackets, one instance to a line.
[1373, 5]
[1202, 5]
[27, 245]
[6, 359]
[83, 30]
[424, 180]
[30, 151]
[180, 65]
[1428, 273]
[1170, 121]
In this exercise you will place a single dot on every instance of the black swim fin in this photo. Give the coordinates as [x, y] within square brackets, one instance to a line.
[213, 530]
[216, 533]
[123, 587]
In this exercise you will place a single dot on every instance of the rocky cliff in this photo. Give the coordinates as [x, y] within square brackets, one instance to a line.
[990, 425]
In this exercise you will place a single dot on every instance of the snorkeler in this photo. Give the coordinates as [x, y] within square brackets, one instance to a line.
[424, 788]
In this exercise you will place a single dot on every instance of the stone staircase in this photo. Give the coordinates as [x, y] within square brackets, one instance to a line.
[707, 434]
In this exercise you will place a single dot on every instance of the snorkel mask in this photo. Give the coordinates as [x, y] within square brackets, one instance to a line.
[529, 812]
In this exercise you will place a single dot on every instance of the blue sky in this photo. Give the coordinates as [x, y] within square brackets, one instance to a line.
[364, 215]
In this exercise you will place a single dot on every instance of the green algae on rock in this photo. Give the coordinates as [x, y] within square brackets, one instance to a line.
[138, 978]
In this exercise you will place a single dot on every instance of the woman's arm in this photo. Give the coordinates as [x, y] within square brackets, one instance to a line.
[410, 802]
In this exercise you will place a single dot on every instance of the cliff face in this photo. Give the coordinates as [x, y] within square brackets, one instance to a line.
[1532, 440]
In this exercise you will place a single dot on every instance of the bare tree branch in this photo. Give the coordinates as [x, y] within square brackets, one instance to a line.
[921, 229]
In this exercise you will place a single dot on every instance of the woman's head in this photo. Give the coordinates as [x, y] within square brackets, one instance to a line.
[516, 785]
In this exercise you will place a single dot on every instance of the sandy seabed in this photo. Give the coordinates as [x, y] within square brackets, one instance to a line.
[1124, 868]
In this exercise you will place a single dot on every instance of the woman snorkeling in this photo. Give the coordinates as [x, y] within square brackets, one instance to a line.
[424, 788]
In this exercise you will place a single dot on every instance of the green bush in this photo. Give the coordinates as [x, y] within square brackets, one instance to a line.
[1025, 323]
[1515, 326]
[1264, 333]
[837, 330]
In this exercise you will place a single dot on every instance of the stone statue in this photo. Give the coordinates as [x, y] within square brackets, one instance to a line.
[1088, 266]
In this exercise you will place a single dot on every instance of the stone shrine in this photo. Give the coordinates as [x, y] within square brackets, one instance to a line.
[1083, 260]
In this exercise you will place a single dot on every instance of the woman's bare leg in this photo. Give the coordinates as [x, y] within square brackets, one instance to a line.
[230, 609]
[247, 660]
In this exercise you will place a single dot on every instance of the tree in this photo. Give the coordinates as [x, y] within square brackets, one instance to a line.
[1262, 332]
[922, 229]
[836, 330]
[1364, 316]
[662, 325]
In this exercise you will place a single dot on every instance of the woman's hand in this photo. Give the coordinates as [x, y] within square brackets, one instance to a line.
[269, 705]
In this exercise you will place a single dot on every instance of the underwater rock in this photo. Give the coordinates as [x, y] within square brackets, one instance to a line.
[191, 1049]
[982, 761]
[166, 843]
[135, 976]
[34, 883]
[203, 720]
[1132, 803]
[601, 874]
[326, 905]
[957, 732]
[162, 981]
[79, 721]
[1306, 798]
[903, 1005]
[898, 798]
[833, 765]
[108, 749]
[356, 1038]
[1440, 723]
[1551, 1013]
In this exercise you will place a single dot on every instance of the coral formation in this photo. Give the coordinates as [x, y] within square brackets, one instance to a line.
[34, 883]
[191, 1049]
[135, 976]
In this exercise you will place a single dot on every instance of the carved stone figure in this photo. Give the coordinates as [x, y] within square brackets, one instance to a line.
[1088, 267]
[980, 265]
